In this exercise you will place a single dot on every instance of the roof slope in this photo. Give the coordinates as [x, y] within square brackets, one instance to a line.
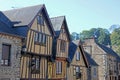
[23, 16]
[90, 60]
[57, 23]
[109, 51]
[72, 50]
[5, 25]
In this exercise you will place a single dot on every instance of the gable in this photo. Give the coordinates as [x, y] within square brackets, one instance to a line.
[41, 25]
[58, 23]
[63, 33]
[80, 62]
[25, 17]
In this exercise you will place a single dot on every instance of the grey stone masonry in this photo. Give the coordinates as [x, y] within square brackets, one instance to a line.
[11, 72]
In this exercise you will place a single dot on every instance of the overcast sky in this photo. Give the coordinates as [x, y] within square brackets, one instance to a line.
[80, 14]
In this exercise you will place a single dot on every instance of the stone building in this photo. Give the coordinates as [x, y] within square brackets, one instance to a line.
[10, 49]
[92, 70]
[105, 57]
[78, 64]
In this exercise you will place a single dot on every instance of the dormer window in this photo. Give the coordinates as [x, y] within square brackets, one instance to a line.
[40, 20]
[77, 56]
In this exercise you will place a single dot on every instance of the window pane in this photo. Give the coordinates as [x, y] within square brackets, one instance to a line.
[44, 39]
[77, 69]
[5, 52]
[40, 38]
[37, 64]
[36, 37]
[40, 20]
[77, 56]
[58, 67]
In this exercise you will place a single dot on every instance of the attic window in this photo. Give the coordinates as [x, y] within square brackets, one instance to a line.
[77, 56]
[40, 20]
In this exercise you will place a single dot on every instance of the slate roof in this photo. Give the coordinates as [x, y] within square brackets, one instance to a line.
[57, 24]
[72, 50]
[22, 16]
[6, 26]
[90, 60]
[109, 51]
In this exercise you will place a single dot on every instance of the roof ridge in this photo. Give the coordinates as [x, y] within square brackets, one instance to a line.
[23, 7]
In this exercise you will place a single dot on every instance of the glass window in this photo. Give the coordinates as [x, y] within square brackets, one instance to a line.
[40, 38]
[58, 67]
[36, 37]
[77, 55]
[94, 73]
[77, 69]
[35, 64]
[5, 55]
[63, 46]
[40, 20]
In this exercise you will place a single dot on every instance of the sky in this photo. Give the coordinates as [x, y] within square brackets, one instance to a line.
[80, 14]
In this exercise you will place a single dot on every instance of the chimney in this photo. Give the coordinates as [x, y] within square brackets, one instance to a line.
[89, 41]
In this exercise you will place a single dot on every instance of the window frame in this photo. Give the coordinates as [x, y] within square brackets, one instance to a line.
[77, 56]
[40, 38]
[62, 46]
[9, 56]
[35, 65]
[58, 67]
[40, 20]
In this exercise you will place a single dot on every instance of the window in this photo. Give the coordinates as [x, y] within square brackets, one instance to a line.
[63, 46]
[40, 38]
[58, 67]
[77, 56]
[77, 69]
[94, 72]
[5, 55]
[40, 20]
[35, 64]
[78, 74]
[36, 37]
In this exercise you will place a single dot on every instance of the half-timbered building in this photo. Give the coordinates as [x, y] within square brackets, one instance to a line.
[34, 25]
[78, 64]
[58, 67]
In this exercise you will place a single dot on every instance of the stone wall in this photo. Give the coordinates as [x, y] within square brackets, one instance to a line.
[11, 72]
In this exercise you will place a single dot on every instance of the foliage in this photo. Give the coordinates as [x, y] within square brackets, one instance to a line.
[75, 36]
[101, 35]
[115, 40]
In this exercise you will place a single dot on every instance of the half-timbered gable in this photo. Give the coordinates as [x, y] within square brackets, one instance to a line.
[60, 49]
[62, 37]
[77, 68]
[34, 25]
